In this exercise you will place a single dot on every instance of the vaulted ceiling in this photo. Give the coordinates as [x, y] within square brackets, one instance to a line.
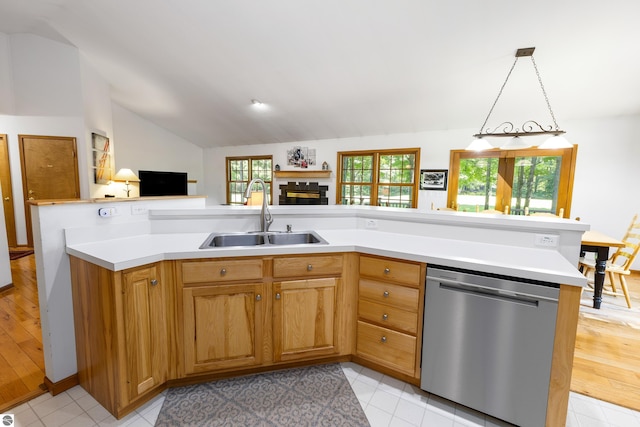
[343, 68]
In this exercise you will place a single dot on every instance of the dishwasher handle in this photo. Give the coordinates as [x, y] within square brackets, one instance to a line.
[490, 292]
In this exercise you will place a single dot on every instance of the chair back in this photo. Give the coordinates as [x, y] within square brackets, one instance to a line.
[625, 255]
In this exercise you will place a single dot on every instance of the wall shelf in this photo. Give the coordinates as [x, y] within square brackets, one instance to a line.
[303, 174]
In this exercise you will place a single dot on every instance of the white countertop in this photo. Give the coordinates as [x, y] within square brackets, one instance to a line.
[538, 264]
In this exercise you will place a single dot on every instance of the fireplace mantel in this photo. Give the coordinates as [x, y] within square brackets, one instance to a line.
[302, 174]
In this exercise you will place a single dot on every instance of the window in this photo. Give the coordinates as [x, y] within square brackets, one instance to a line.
[378, 178]
[241, 170]
[538, 180]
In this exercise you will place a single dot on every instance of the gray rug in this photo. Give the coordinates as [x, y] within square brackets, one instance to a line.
[310, 396]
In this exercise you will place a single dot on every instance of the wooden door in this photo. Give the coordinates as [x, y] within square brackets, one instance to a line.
[49, 170]
[304, 313]
[7, 193]
[223, 326]
[145, 330]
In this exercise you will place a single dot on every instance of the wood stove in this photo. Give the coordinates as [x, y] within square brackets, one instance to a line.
[303, 193]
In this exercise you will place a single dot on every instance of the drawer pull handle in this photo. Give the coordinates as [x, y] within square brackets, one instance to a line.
[154, 282]
[387, 270]
[309, 267]
[258, 297]
[278, 296]
[385, 316]
[385, 294]
[383, 339]
[223, 271]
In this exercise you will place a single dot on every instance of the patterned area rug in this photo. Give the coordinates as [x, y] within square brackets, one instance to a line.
[310, 396]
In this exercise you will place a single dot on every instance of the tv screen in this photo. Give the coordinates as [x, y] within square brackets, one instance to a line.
[155, 183]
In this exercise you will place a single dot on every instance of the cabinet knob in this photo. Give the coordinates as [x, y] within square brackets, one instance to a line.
[309, 267]
[223, 271]
[385, 316]
[385, 294]
[258, 297]
[383, 339]
[278, 295]
[154, 282]
[387, 270]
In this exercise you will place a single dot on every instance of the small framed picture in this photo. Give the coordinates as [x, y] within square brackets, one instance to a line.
[433, 179]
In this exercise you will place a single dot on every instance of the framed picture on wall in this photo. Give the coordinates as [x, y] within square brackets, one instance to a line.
[102, 161]
[433, 179]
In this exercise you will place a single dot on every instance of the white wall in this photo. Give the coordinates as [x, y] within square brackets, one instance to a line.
[141, 145]
[434, 147]
[6, 89]
[46, 77]
[5, 266]
[604, 192]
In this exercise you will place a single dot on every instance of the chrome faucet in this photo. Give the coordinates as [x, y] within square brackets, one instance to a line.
[265, 216]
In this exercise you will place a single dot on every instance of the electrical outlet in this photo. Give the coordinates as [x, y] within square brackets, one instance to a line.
[548, 240]
[139, 209]
[107, 212]
[371, 224]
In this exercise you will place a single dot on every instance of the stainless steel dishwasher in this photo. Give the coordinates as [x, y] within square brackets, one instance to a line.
[488, 342]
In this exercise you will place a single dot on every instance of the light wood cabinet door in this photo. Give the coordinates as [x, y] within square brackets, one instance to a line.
[304, 313]
[222, 326]
[145, 331]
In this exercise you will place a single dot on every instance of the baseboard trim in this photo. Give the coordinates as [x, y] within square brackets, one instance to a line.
[62, 385]
[6, 287]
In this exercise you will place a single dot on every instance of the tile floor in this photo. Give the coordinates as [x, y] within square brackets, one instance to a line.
[386, 402]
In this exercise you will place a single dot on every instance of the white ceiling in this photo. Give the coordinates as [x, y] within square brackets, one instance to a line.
[343, 68]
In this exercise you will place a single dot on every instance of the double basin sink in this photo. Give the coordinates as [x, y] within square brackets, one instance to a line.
[221, 240]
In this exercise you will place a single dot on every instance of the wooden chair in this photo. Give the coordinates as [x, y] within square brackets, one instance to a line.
[560, 213]
[619, 264]
[443, 209]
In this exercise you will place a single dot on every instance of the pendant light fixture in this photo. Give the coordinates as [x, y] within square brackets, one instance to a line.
[528, 128]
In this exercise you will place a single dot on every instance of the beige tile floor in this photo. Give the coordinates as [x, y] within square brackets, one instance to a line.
[386, 402]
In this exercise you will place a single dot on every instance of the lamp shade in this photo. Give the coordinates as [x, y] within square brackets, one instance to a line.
[515, 143]
[556, 141]
[126, 175]
[479, 144]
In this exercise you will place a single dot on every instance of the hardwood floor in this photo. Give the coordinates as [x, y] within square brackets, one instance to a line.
[607, 354]
[606, 361]
[21, 358]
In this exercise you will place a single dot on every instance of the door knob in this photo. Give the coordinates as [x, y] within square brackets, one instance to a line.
[6, 199]
[278, 295]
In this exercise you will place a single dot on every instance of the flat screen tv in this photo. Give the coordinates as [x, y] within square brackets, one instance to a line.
[156, 183]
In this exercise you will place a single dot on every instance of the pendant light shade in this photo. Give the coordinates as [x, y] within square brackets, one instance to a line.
[479, 144]
[516, 143]
[555, 142]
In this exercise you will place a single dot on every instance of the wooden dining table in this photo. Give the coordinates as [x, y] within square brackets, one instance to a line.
[599, 243]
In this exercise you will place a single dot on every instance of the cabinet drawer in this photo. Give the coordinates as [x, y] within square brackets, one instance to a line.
[307, 266]
[393, 349]
[386, 269]
[392, 317]
[221, 271]
[388, 294]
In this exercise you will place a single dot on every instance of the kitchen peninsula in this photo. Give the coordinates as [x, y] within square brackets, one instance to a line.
[163, 247]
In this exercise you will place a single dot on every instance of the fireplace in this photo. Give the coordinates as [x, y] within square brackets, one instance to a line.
[303, 193]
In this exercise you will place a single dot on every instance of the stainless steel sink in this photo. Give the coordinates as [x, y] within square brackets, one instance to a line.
[294, 238]
[240, 239]
[221, 240]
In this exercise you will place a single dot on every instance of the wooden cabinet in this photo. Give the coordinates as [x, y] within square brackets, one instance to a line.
[390, 304]
[305, 316]
[145, 330]
[222, 305]
[121, 327]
